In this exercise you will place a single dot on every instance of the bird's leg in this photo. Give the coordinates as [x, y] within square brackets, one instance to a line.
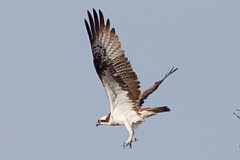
[131, 133]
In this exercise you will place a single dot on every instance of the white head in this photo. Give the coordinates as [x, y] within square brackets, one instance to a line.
[103, 120]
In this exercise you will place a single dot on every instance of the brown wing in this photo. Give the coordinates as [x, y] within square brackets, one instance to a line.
[149, 91]
[110, 62]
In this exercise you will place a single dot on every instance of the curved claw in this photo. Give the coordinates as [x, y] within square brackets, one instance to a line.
[127, 143]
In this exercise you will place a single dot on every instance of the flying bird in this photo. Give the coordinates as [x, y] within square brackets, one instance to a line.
[118, 78]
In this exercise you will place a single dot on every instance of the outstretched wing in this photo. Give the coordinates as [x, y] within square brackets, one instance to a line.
[149, 91]
[113, 68]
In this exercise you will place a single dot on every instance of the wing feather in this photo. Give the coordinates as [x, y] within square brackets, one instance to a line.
[112, 67]
[149, 91]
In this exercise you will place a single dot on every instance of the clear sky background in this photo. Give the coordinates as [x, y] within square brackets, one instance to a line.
[51, 97]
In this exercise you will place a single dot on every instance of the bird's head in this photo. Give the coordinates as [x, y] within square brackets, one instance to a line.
[103, 120]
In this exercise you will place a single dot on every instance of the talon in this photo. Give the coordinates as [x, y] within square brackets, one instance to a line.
[130, 146]
[124, 145]
[127, 143]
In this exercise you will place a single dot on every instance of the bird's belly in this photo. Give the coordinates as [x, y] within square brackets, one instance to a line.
[131, 117]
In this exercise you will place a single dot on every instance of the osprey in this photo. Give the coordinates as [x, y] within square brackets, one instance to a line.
[118, 78]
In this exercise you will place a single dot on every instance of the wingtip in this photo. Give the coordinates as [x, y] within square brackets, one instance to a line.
[108, 23]
[113, 31]
[100, 12]
[89, 15]
[173, 69]
[101, 18]
[88, 12]
[94, 12]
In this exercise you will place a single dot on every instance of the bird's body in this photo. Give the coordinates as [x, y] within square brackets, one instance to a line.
[118, 78]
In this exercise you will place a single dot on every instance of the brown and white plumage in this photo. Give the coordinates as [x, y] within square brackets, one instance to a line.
[118, 78]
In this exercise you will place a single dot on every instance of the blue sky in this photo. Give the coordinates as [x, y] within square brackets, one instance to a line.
[51, 97]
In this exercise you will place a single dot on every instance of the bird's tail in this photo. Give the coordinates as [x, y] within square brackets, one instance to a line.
[147, 112]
